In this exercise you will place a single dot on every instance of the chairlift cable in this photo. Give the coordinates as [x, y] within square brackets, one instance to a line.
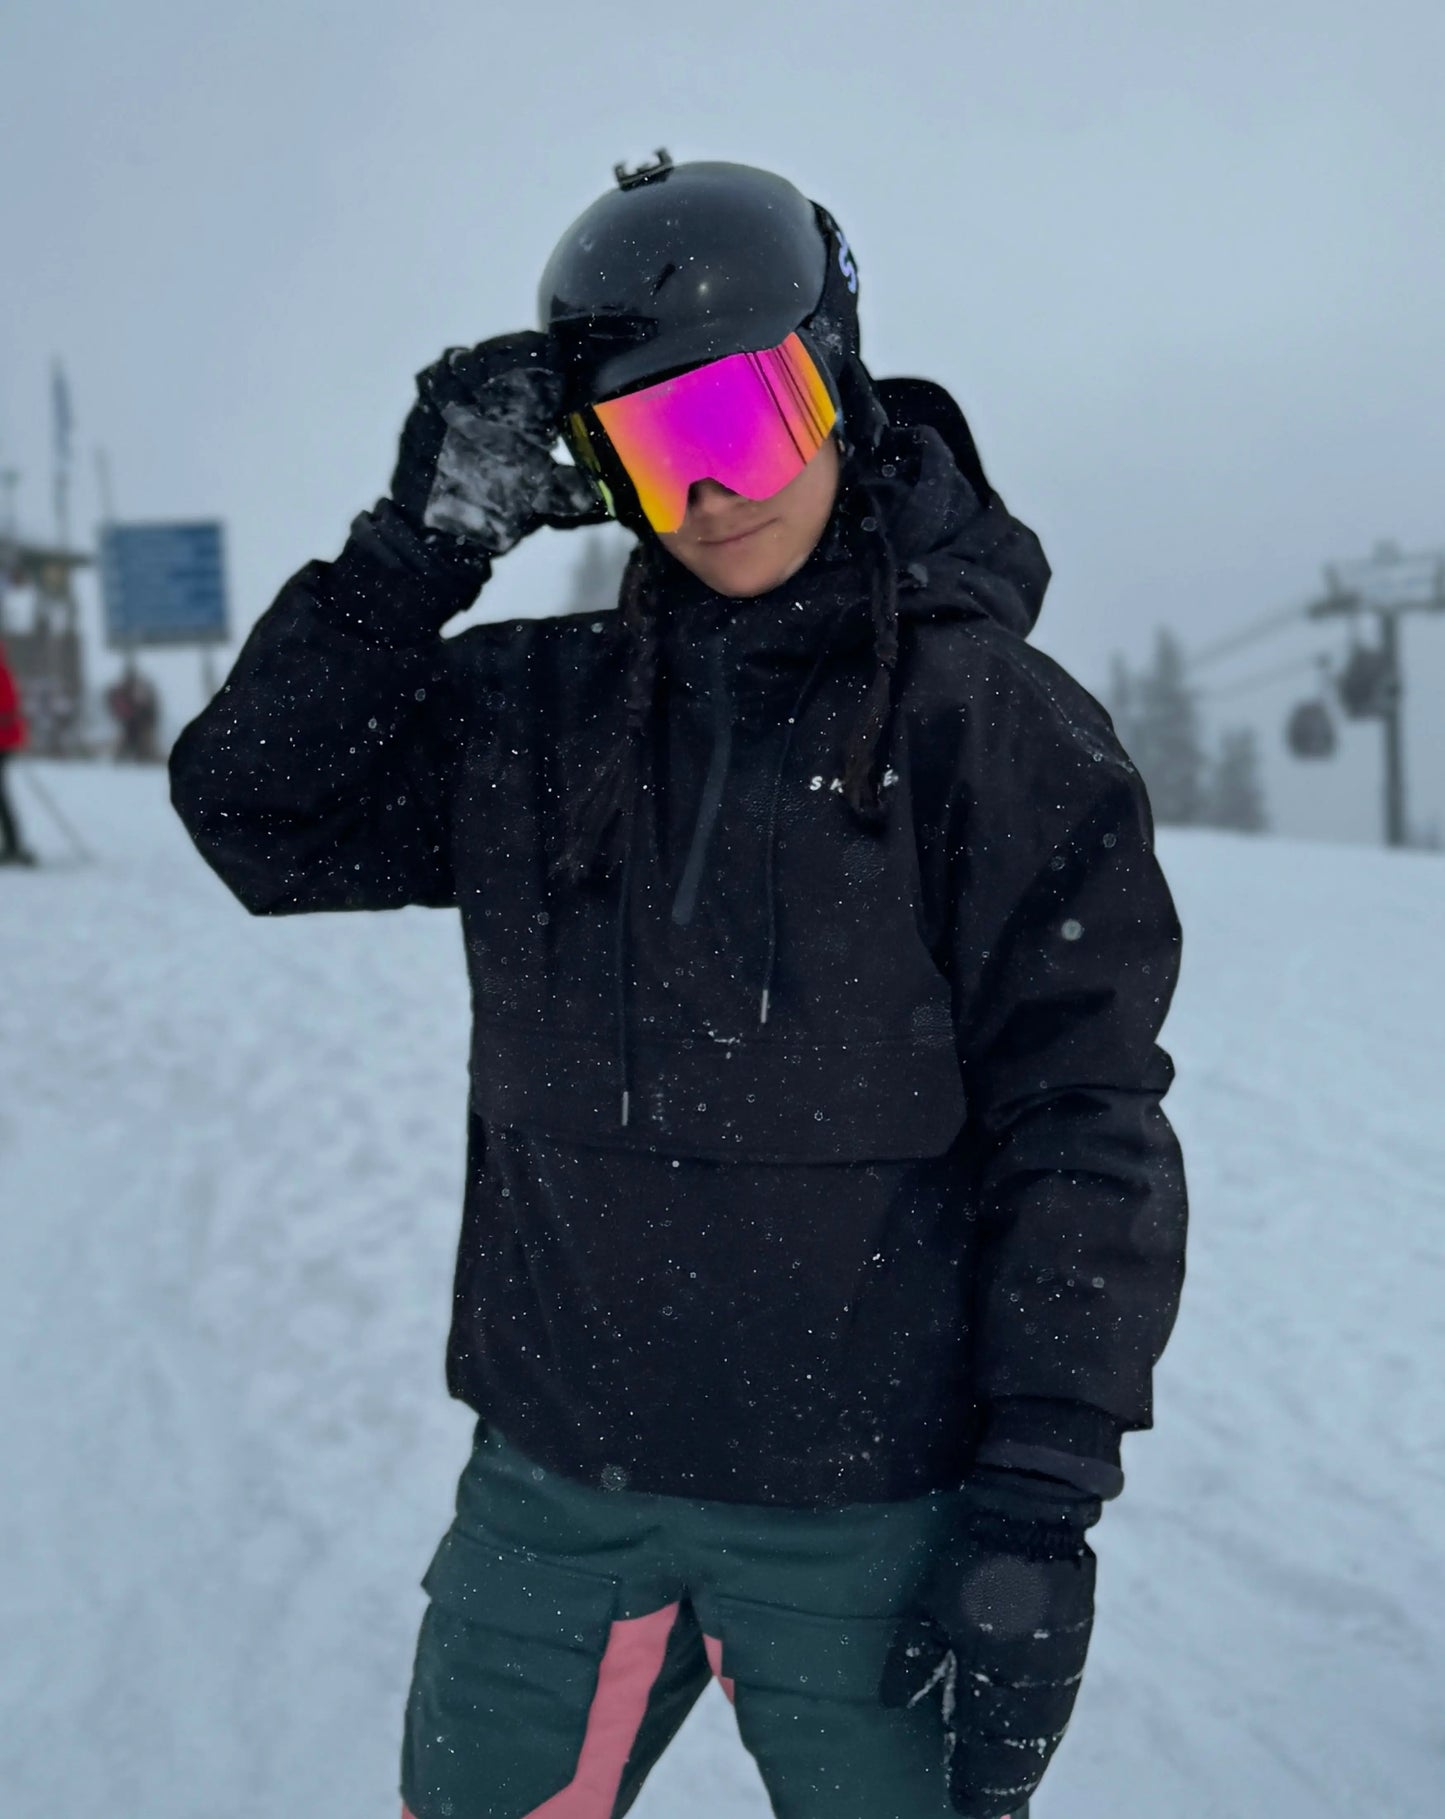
[1261, 628]
[1262, 679]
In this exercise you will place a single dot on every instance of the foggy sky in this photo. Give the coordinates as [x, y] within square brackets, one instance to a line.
[1182, 265]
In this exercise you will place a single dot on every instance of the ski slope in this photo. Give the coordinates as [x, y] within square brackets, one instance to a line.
[230, 1166]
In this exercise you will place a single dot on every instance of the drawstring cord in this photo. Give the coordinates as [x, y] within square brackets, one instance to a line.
[883, 590]
[710, 804]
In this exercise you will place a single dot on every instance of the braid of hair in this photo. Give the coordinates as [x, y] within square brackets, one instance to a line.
[598, 807]
[638, 608]
[868, 738]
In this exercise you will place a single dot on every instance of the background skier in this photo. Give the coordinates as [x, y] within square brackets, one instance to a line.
[822, 1225]
[134, 704]
[13, 850]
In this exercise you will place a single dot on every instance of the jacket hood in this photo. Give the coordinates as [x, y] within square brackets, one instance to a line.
[961, 554]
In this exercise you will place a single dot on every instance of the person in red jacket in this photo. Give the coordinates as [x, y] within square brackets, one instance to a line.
[13, 850]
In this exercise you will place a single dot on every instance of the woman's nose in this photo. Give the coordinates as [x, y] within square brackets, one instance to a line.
[703, 493]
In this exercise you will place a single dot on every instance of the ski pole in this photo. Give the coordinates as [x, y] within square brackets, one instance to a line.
[57, 815]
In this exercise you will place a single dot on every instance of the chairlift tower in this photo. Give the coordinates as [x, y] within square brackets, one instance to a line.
[1388, 584]
[46, 655]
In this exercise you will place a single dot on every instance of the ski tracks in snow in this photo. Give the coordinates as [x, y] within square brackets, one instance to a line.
[1272, 1610]
[232, 1166]
[230, 1174]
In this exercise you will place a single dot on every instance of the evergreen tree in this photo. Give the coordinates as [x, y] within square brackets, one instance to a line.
[597, 572]
[1163, 736]
[1120, 701]
[1236, 792]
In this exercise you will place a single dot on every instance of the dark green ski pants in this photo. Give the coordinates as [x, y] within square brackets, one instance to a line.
[571, 1629]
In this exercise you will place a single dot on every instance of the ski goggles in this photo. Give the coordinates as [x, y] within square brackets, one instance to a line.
[752, 422]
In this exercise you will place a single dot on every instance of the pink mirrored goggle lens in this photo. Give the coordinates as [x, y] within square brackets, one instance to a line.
[752, 422]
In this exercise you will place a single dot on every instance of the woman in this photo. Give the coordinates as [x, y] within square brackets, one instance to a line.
[822, 1225]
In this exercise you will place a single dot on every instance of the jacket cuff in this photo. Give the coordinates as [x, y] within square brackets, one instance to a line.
[1070, 1441]
[395, 586]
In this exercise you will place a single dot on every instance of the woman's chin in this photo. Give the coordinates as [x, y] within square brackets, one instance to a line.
[743, 574]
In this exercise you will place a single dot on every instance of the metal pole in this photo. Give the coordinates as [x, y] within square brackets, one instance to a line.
[62, 505]
[103, 486]
[57, 814]
[1393, 720]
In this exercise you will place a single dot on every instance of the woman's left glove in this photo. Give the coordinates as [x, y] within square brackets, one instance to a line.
[476, 457]
[1000, 1635]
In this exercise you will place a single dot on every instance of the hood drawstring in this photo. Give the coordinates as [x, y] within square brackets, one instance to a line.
[710, 802]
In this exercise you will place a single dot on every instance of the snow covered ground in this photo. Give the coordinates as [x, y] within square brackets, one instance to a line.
[230, 1162]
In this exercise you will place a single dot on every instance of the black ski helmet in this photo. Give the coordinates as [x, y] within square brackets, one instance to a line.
[684, 263]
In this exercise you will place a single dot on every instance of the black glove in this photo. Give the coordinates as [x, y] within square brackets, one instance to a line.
[476, 451]
[1000, 1635]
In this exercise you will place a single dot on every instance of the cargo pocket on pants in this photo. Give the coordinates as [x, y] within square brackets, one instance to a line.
[506, 1667]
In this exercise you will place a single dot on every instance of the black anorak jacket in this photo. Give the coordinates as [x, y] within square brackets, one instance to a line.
[807, 1163]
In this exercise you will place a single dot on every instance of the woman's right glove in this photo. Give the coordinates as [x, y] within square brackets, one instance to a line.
[999, 1637]
[476, 451]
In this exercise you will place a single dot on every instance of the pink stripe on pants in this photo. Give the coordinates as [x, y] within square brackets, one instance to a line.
[630, 1666]
[626, 1676]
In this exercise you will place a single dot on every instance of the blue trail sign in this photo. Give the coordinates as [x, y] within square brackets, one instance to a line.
[163, 584]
